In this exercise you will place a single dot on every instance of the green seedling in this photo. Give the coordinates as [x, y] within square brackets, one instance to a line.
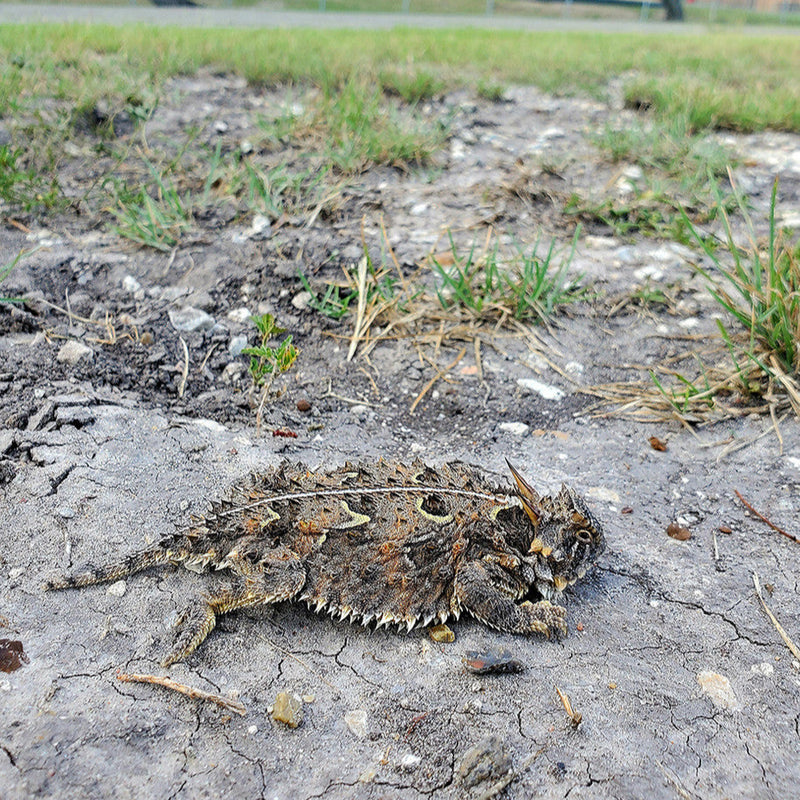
[334, 303]
[23, 187]
[266, 361]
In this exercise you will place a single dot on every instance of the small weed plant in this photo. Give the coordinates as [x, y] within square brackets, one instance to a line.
[5, 271]
[266, 361]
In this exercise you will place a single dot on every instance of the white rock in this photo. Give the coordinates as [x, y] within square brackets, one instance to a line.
[649, 272]
[603, 494]
[357, 722]
[72, 352]
[240, 315]
[131, 285]
[261, 226]
[544, 389]
[410, 761]
[117, 588]
[301, 300]
[764, 668]
[718, 688]
[191, 319]
[574, 368]
[515, 428]
[236, 345]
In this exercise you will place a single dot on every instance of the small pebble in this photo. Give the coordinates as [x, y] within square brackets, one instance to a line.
[516, 428]
[288, 709]
[718, 688]
[303, 405]
[357, 722]
[117, 588]
[191, 319]
[679, 532]
[441, 633]
[72, 352]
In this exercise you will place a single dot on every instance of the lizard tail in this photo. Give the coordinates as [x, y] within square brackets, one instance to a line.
[136, 562]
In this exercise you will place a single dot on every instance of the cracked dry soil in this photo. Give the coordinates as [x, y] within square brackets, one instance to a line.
[684, 686]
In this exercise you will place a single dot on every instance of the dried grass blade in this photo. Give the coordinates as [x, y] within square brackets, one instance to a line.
[362, 305]
[778, 627]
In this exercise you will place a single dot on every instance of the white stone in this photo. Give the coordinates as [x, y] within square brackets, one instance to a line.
[240, 315]
[191, 319]
[718, 688]
[117, 588]
[236, 345]
[515, 428]
[301, 300]
[131, 285]
[650, 272]
[603, 493]
[764, 668]
[260, 225]
[356, 721]
[544, 389]
[72, 352]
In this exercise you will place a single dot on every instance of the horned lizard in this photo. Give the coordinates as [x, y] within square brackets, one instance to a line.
[382, 543]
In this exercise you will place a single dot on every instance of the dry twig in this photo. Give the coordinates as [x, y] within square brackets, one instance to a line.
[189, 691]
[764, 519]
[185, 372]
[439, 374]
[778, 627]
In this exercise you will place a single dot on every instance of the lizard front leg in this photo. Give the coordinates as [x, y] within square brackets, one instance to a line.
[487, 599]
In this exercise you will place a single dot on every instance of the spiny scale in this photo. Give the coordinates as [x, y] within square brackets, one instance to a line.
[383, 543]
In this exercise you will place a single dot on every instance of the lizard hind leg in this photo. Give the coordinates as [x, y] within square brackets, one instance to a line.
[279, 579]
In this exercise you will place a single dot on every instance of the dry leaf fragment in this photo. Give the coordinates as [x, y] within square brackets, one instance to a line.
[571, 713]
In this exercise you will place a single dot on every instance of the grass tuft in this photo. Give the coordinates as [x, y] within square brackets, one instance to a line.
[759, 288]
[154, 216]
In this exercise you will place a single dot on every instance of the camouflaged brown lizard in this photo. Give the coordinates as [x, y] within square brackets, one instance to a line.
[382, 543]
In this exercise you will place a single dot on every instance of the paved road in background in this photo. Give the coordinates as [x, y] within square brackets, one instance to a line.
[262, 18]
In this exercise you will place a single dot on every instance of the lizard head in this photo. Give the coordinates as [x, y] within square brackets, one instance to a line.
[566, 538]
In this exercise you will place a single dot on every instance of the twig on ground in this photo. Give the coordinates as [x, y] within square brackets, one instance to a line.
[185, 373]
[778, 627]
[439, 374]
[352, 400]
[764, 519]
[673, 779]
[189, 691]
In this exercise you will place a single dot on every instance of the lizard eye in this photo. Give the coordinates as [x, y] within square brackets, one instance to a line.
[584, 537]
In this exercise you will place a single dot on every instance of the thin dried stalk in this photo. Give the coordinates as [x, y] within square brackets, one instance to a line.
[189, 691]
[778, 627]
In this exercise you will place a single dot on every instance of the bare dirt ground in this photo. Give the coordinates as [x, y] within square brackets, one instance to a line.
[684, 685]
